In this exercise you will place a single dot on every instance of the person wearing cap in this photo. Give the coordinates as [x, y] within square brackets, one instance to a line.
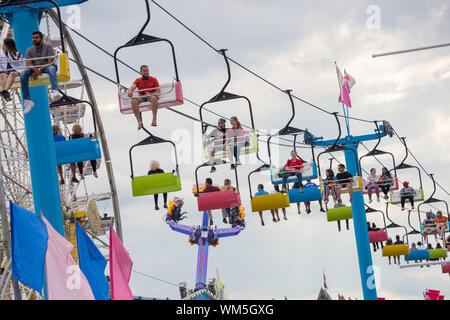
[407, 193]
[215, 141]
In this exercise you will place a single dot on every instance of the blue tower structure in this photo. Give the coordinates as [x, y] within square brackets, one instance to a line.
[349, 145]
[24, 17]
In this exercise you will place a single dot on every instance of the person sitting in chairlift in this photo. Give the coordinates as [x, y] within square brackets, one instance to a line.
[77, 133]
[156, 169]
[11, 66]
[441, 224]
[148, 89]
[262, 192]
[310, 184]
[407, 193]
[398, 241]
[372, 184]
[57, 136]
[229, 212]
[276, 189]
[210, 188]
[215, 141]
[293, 167]
[344, 180]
[329, 185]
[386, 182]
[36, 67]
[235, 141]
[429, 227]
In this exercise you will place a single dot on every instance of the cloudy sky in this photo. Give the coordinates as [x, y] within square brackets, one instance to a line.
[293, 44]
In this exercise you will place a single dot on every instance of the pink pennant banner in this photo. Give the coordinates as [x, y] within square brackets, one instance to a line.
[65, 281]
[120, 268]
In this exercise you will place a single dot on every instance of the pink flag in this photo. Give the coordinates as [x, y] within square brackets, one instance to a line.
[346, 83]
[120, 268]
[65, 281]
[324, 280]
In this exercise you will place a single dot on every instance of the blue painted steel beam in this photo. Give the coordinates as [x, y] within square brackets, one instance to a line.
[40, 5]
[361, 232]
[318, 141]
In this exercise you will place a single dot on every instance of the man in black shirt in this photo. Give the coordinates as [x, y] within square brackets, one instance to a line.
[344, 180]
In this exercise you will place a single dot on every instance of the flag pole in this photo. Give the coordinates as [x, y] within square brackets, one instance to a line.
[348, 111]
[342, 98]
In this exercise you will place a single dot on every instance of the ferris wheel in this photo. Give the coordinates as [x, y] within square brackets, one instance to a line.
[77, 202]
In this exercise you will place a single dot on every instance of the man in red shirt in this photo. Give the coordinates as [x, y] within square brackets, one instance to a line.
[294, 166]
[210, 188]
[142, 84]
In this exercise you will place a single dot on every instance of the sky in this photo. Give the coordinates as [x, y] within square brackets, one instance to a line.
[294, 44]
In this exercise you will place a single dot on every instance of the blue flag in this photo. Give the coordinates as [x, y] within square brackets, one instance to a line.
[29, 238]
[92, 264]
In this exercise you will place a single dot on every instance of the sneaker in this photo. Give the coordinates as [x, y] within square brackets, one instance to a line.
[299, 212]
[211, 223]
[27, 106]
[62, 182]
[5, 95]
[232, 166]
[321, 210]
[156, 207]
[75, 180]
[285, 218]
[412, 208]
[95, 174]
[54, 96]
[165, 205]
[370, 200]
[308, 211]
[213, 169]
[278, 219]
[403, 209]
[339, 201]
[274, 220]
[283, 190]
[386, 197]
[224, 220]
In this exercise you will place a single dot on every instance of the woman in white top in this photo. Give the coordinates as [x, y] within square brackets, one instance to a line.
[235, 140]
[11, 65]
[372, 184]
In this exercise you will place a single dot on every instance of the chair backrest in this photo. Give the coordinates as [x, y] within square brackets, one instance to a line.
[339, 213]
[395, 250]
[155, 184]
[77, 150]
[308, 195]
[378, 236]
[218, 200]
[270, 202]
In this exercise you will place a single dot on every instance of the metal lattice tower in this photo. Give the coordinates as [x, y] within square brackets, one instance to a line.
[16, 171]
